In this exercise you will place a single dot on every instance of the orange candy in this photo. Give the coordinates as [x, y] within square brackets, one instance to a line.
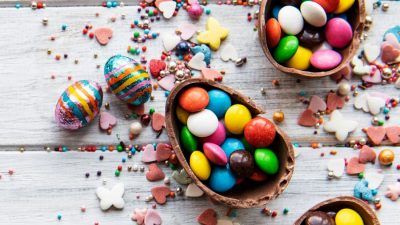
[194, 99]
[273, 32]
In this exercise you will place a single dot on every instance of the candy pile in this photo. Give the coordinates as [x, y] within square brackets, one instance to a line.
[317, 41]
[344, 216]
[232, 150]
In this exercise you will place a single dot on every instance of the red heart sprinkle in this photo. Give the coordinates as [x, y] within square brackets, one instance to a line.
[157, 121]
[154, 173]
[367, 154]
[208, 217]
[334, 101]
[393, 134]
[307, 119]
[354, 166]
[160, 194]
[163, 152]
[156, 66]
[389, 53]
[317, 104]
[103, 35]
[376, 134]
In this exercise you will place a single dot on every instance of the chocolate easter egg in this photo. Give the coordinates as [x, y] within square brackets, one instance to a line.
[78, 105]
[128, 80]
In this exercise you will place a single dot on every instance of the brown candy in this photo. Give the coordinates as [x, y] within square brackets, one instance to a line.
[311, 37]
[319, 218]
[241, 162]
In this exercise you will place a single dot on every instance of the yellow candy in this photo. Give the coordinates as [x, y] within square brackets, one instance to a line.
[344, 5]
[301, 59]
[182, 115]
[236, 117]
[200, 165]
[348, 217]
[213, 35]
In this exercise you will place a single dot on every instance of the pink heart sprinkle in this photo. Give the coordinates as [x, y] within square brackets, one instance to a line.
[157, 121]
[376, 78]
[167, 83]
[152, 218]
[107, 121]
[187, 31]
[149, 155]
[393, 134]
[103, 35]
[317, 104]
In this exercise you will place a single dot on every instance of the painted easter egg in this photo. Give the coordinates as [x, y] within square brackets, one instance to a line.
[348, 217]
[219, 102]
[78, 105]
[200, 165]
[236, 117]
[230, 145]
[222, 179]
[128, 80]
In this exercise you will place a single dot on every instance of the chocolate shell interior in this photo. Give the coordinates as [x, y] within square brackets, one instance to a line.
[335, 204]
[249, 194]
[356, 18]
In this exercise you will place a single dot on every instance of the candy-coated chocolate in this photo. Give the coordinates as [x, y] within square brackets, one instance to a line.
[291, 20]
[194, 99]
[344, 5]
[215, 154]
[230, 145]
[313, 13]
[128, 80]
[273, 32]
[348, 216]
[222, 179]
[241, 163]
[260, 132]
[310, 36]
[182, 115]
[78, 105]
[319, 218]
[266, 160]
[189, 142]
[301, 59]
[219, 102]
[275, 11]
[338, 33]
[200, 165]
[218, 136]
[258, 175]
[386, 157]
[286, 48]
[325, 59]
[203, 123]
[236, 117]
[328, 5]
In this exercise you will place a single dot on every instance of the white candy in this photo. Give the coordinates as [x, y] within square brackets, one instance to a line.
[135, 128]
[170, 41]
[375, 104]
[336, 166]
[374, 179]
[228, 52]
[360, 102]
[203, 123]
[197, 62]
[290, 19]
[167, 8]
[313, 13]
[359, 68]
[193, 191]
[111, 197]
[339, 125]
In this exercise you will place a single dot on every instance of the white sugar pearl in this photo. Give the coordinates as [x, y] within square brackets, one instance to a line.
[135, 128]
[344, 88]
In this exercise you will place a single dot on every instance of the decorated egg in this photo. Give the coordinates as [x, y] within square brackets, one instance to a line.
[128, 80]
[78, 105]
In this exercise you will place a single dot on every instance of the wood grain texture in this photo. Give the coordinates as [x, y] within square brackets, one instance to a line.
[28, 94]
[45, 184]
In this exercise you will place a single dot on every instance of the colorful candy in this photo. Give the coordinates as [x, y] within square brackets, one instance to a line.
[260, 132]
[348, 217]
[215, 154]
[222, 179]
[325, 59]
[344, 5]
[219, 102]
[128, 80]
[328, 5]
[203, 123]
[241, 163]
[273, 32]
[218, 136]
[230, 145]
[236, 118]
[189, 142]
[194, 99]
[338, 33]
[200, 165]
[266, 160]
[78, 105]
[301, 59]
[213, 35]
[313, 13]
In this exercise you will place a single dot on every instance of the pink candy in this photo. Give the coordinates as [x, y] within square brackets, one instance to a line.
[218, 136]
[338, 33]
[325, 59]
[215, 154]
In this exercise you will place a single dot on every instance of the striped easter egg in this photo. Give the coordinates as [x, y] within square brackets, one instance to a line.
[128, 80]
[79, 104]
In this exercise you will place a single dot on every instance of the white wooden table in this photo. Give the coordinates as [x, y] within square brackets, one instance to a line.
[45, 184]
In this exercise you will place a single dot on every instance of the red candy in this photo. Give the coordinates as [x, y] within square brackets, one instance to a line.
[259, 132]
[194, 99]
[156, 66]
[258, 176]
[273, 32]
[328, 5]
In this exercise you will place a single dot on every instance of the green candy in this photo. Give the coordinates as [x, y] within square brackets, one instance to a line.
[286, 48]
[189, 142]
[266, 160]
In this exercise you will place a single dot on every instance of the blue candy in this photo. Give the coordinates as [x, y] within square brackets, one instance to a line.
[222, 179]
[362, 191]
[205, 50]
[230, 145]
[275, 11]
[219, 102]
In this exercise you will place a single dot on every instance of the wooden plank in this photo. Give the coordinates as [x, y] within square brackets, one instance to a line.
[45, 184]
[28, 94]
